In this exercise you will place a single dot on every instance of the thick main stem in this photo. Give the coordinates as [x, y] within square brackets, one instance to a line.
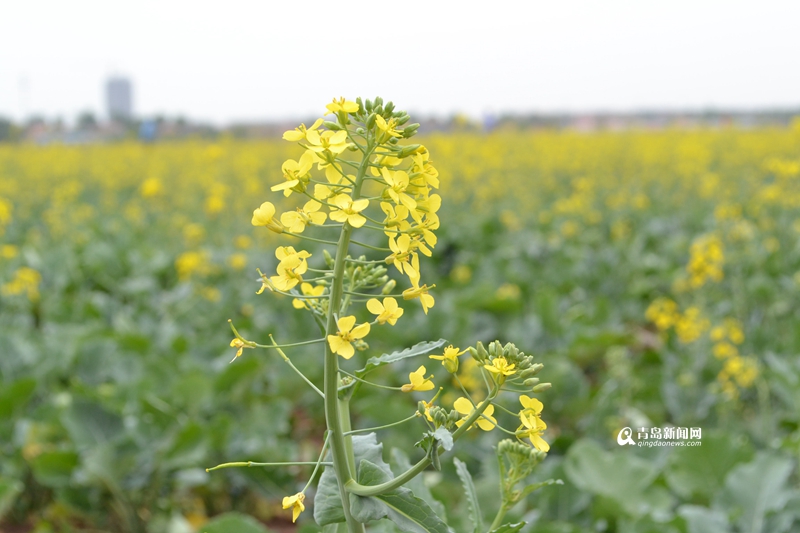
[339, 449]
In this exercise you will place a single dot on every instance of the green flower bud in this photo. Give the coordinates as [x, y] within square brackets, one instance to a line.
[451, 365]
[402, 118]
[482, 354]
[410, 131]
[378, 100]
[389, 107]
[530, 382]
[389, 287]
[368, 105]
[408, 150]
[541, 387]
[328, 258]
[360, 131]
[333, 126]
[421, 405]
[370, 121]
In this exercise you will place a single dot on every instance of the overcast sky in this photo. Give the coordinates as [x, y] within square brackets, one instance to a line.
[252, 60]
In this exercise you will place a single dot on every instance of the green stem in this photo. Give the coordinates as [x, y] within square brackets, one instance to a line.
[376, 428]
[339, 448]
[498, 519]
[251, 463]
[373, 490]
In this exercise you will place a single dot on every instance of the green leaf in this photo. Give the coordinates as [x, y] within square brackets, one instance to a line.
[756, 489]
[703, 520]
[699, 472]
[233, 523]
[509, 528]
[620, 477]
[409, 513]
[422, 348]
[14, 397]
[327, 501]
[9, 490]
[445, 438]
[341, 527]
[472, 496]
[400, 463]
[54, 469]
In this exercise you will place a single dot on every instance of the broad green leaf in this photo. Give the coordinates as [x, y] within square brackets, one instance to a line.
[509, 528]
[703, 520]
[699, 472]
[400, 463]
[9, 490]
[233, 523]
[341, 527]
[619, 476]
[13, 397]
[472, 496]
[409, 513]
[756, 489]
[88, 423]
[54, 469]
[328, 501]
[422, 348]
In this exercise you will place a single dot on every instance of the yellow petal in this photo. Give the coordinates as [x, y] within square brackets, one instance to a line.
[361, 331]
[374, 306]
[346, 323]
[463, 406]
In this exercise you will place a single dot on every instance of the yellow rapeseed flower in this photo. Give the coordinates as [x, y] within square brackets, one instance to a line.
[464, 407]
[349, 211]
[265, 216]
[418, 381]
[341, 342]
[296, 504]
[296, 221]
[340, 104]
[501, 367]
[299, 133]
[422, 293]
[388, 311]
[449, 358]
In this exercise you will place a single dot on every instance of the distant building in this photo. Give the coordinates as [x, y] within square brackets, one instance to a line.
[119, 98]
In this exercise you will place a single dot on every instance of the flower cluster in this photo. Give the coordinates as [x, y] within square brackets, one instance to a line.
[389, 191]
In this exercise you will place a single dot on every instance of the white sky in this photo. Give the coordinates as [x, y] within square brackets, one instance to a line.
[251, 60]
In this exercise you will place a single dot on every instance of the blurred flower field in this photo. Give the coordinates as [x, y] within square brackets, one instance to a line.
[656, 274]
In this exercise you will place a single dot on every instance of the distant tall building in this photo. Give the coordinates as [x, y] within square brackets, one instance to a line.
[119, 98]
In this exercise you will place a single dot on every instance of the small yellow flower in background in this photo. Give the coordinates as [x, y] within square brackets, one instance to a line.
[533, 431]
[296, 221]
[422, 293]
[296, 503]
[388, 311]
[243, 242]
[465, 407]
[340, 343]
[308, 290]
[265, 216]
[237, 261]
[8, 251]
[501, 367]
[299, 133]
[724, 350]
[449, 358]
[25, 281]
[349, 211]
[691, 325]
[662, 312]
[151, 187]
[340, 104]
[418, 381]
